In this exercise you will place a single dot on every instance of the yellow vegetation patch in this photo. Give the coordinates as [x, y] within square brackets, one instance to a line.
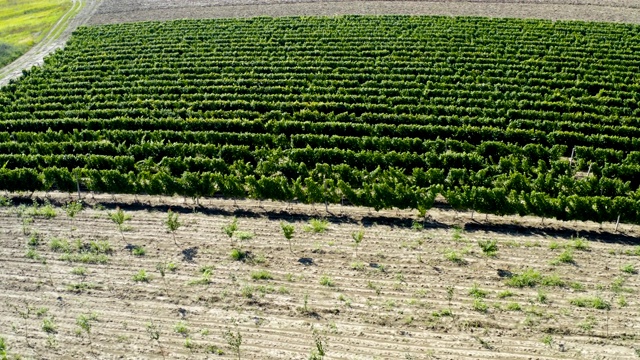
[24, 22]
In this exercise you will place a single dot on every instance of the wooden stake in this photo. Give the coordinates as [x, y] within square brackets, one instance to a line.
[589, 171]
[573, 152]
[78, 185]
[617, 223]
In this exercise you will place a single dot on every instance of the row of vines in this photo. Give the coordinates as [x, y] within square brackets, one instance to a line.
[500, 116]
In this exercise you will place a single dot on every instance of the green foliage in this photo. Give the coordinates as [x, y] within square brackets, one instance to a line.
[579, 244]
[234, 340]
[80, 271]
[5, 202]
[205, 276]
[505, 294]
[32, 254]
[261, 275]
[85, 323]
[59, 245]
[181, 328]
[172, 222]
[49, 326]
[514, 306]
[3, 349]
[552, 280]
[80, 287]
[566, 257]
[230, 229]
[244, 235]
[320, 346]
[629, 269]
[326, 281]
[73, 208]
[379, 144]
[141, 276]
[120, 218]
[317, 226]
[152, 331]
[476, 292]
[287, 231]
[86, 258]
[529, 277]
[454, 257]
[489, 247]
[138, 250]
[238, 255]
[594, 302]
[480, 306]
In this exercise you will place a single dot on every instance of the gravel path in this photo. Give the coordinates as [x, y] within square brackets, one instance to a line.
[55, 39]
[114, 11]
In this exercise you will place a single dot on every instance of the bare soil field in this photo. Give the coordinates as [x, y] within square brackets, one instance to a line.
[115, 11]
[407, 292]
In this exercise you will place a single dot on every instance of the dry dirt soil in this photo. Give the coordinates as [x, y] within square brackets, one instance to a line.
[115, 11]
[402, 295]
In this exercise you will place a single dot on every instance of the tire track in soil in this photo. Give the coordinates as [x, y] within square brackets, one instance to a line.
[373, 325]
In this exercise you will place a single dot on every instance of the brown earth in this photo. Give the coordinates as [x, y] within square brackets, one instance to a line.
[382, 309]
[116, 11]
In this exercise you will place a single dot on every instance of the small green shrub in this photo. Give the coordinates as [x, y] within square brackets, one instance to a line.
[261, 275]
[59, 245]
[476, 292]
[576, 286]
[181, 328]
[86, 258]
[141, 276]
[514, 306]
[552, 280]
[138, 251]
[629, 269]
[528, 277]
[238, 255]
[317, 226]
[480, 306]
[566, 257]
[594, 302]
[32, 254]
[488, 247]
[505, 294]
[244, 235]
[231, 228]
[81, 287]
[80, 271]
[100, 247]
[442, 313]
[326, 281]
[454, 257]
[579, 244]
[49, 325]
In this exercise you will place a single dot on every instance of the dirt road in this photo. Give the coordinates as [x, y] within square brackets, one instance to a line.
[115, 11]
[55, 39]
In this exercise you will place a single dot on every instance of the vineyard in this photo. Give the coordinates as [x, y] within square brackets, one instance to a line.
[498, 116]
